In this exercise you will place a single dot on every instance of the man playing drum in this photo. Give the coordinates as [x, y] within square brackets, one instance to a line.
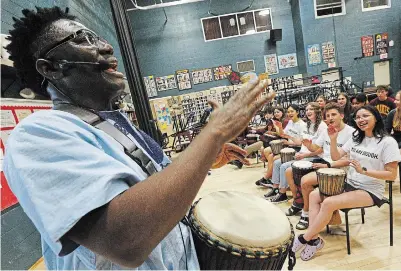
[373, 159]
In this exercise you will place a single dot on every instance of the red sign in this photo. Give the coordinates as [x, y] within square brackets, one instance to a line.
[368, 46]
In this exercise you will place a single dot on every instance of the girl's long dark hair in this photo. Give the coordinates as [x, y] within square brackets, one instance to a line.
[282, 117]
[347, 107]
[378, 131]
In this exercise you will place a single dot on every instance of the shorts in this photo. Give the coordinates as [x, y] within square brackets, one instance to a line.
[376, 201]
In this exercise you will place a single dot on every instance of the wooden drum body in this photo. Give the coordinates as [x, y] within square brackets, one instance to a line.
[234, 230]
[287, 155]
[276, 146]
[331, 181]
[299, 169]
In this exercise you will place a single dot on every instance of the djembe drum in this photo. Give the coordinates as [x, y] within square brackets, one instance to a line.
[230, 233]
[266, 139]
[299, 169]
[287, 154]
[331, 181]
[276, 146]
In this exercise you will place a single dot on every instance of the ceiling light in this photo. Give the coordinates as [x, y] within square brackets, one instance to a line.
[232, 22]
[250, 32]
[264, 12]
[242, 20]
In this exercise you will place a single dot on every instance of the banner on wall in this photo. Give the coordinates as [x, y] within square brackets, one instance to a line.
[271, 64]
[368, 46]
[287, 61]
[150, 86]
[222, 72]
[381, 42]
[328, 52]
[314, 55]
[166, 82]
[202, 76]
[183, 79]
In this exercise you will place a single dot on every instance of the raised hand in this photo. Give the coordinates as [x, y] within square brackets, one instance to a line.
[307, 143]
[227, 121]
[230, 152]
[332, 131]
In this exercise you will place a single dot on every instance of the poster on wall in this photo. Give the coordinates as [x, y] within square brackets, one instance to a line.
[368, 47]
[7, 119]
[381, 43]
[314, 55]
[183, 79]
[328, 52]
[287, 61]
[222, 72]
[166, 82]
[150, 86]
[202, 76]
[271, 64]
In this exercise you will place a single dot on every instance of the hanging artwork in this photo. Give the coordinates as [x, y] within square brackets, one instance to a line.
[314, 55]
[287, 61]
[328, 51]
[271, 64]
[150, 86]
[202, 76]
[183, 79]
[222, 72]
[166, 82]
[368, 47]
[381, 42]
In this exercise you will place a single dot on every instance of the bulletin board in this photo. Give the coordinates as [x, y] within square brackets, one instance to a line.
[12, 112]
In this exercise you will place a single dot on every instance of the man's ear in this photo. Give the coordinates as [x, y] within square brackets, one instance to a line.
[48, 69]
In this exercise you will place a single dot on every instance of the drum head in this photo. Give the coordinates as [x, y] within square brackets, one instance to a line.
[302, 164]
[331, 171]
[242, 219]
[287, 150]
[277, 141]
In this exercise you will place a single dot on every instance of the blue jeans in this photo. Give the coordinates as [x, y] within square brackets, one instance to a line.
[279, 172]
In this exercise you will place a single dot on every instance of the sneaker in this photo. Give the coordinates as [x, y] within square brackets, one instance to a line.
[303, 223]
[279, 198]
[311, 248]
[272, 193]
[236, 163]
[264, 182]
[267, 183]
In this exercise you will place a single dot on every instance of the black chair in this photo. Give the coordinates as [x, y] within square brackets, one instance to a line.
[388, 200]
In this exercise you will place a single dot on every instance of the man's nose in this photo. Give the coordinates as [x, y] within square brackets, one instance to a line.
[105, 48]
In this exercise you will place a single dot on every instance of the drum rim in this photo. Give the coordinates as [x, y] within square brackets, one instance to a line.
[213, 240]
[342, 171]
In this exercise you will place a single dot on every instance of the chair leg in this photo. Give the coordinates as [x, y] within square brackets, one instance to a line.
[399, 173]
[327, 229]
[347, 233]
[390, 192]
[363, 215]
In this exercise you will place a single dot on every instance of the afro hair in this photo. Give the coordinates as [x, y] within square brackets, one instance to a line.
[26, 30]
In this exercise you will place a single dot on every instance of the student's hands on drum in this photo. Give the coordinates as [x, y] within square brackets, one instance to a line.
[318, 165]
[227, 121]
[230, 152]
[299, 156]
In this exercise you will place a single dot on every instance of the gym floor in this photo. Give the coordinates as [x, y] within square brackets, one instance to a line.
[370, 249]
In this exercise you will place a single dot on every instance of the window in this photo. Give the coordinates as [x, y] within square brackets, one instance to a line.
[368, 5]
[328, 8]
[237, 24]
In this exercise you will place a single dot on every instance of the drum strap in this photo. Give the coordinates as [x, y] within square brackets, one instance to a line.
[130, 147]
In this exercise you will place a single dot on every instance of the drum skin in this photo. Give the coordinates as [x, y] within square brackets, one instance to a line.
[217, 251]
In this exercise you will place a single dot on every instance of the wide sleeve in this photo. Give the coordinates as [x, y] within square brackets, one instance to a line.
[59, 172]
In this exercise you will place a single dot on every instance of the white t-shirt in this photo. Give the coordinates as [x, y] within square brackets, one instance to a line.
[372, 154]
[324, 141]
[295, 129]
[312, 135]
